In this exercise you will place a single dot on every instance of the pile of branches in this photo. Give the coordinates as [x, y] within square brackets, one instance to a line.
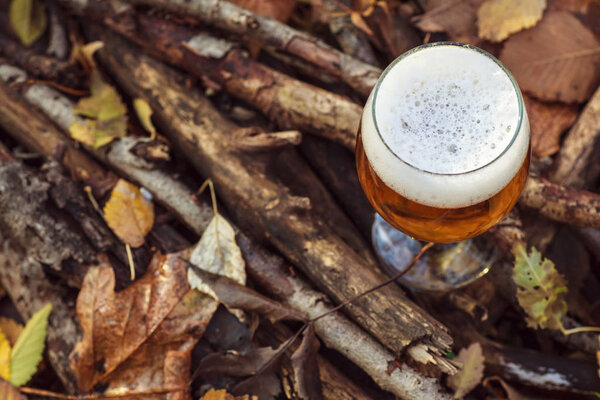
[269, 113]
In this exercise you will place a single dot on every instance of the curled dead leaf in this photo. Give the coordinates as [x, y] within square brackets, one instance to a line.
[557, 60]
[129, 213]
[498, 19]
[306, 369]
[455, 17]
[9, 392]
[139, 338]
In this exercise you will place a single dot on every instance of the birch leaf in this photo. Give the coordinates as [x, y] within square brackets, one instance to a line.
[129, 213]
[9, 392]
[144, 112]
[498, 19]
[27, 351]
[4, 357]
[541, 289]
[217, 252]
[106, 114]
[28, 19]
[471, 372]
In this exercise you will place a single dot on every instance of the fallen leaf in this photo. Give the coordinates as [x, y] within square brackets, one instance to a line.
[11, 329]
[540, 289]
[236, 296]
[557, 60]
[574, 6]
[218, 253]
[27, 352]
[4, 357]
[498, 19]
[471, 372]
[280, 10]
[358, 21]
[129, 213]
[9, 392]
[107, 115]
[511, 393]
[28, 19]
[85, 54]
[140, 338]
[547, 123]
[144, 112]
[455, 17]
[222, 394]
[306, 368]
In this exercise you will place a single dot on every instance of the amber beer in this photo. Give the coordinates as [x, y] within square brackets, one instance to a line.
[443, 153]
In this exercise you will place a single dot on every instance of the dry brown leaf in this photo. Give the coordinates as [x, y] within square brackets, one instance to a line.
[222, 394]
[11, 329]
[140, 338]
[548, 121]
[129, 213]
[471, 372]
[574, 6]
[498, 19]
[9, 392]
[557, 60]
[280, 10]
[455, 17]
[511, 393]
[306, 369]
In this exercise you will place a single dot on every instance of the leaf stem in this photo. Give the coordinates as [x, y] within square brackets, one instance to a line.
[579, 329]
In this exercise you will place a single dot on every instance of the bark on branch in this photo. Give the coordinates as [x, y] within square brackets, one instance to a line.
[269, 32]
[262, 205]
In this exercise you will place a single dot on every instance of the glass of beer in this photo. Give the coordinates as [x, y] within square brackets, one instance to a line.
[442, 154]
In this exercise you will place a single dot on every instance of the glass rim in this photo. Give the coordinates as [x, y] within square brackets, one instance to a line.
[469, 47]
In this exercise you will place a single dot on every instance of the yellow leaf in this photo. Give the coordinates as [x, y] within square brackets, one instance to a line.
[107, 114]
[27, 351]
[540, 289]
[85, 53]
[471, 372]
[144, 112]
[498, 19]
[213, 394]
[28, 19]
[129, 214]
[4, 357]
[358, 21]
[11, 329]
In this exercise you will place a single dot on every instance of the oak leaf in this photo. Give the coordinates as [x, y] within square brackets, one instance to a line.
[27, 352]
[498, 19]
[129, 213]
[106, 115]
[557, 60]
[540, 289]
[28, 19]
[548, 121]
[9, 392]
[140, 338]
[471, 372]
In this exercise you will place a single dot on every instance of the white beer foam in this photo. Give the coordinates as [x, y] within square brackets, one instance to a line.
[444, 116]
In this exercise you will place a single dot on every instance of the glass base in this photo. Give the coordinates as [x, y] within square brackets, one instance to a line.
[444, 267]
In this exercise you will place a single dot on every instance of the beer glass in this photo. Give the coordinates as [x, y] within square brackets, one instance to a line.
[442, 154]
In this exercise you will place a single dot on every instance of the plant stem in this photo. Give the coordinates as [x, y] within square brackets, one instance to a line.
[580, 329]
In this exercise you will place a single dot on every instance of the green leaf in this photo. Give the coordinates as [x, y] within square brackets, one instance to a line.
[27, 352]
[28, 19]
[541, 289]
[105, 111]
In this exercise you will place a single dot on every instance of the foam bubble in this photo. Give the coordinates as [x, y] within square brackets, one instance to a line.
[448, 112]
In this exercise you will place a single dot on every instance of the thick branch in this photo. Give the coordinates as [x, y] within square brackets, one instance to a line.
[269, 32]
[265, 207]
[562, 204]
[196, 216]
